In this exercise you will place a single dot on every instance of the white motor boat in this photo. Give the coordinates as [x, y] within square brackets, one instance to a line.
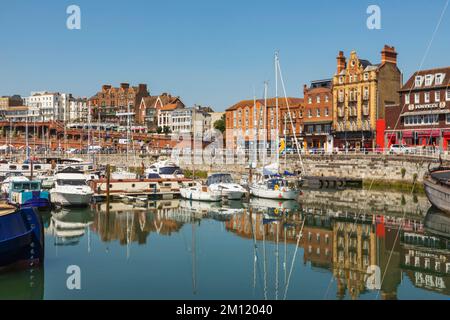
[12, 178]
[71, 189]
[274, 188]
[165, 170]
[122, 174]
[200, 193]
[223, 183]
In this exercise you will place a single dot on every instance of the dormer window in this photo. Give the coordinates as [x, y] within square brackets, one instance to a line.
[439, 78]
[429, 79]
[419, 81]
[366, 76]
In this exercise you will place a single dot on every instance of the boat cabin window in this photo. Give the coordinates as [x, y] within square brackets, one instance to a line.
[37, 167]
[65, 182]
[220, 178]
[26, 167]
[12, 167]
[26, 186]
[169, 170]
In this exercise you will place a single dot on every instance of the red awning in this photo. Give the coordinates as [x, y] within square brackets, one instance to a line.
[429, 133]
[407, 134]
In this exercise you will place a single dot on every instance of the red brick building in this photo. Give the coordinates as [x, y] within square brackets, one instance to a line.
[150, 107]
[249, 120]
[423, 116]
[110, 102]
[318, 115]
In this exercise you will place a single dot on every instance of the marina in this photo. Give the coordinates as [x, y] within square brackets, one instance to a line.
[176, 249]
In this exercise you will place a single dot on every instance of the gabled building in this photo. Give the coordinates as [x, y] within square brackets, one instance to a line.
[422, 118]
[116, 105]
[150, 109]
[361, 91]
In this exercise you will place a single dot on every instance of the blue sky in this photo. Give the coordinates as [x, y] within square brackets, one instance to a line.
[209, 52]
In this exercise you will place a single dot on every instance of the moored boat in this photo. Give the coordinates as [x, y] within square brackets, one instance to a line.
[21, 237]
[437, 188]
[223, 183]
[274, 188]
[200, 192]
[26, 194]
[71, 189]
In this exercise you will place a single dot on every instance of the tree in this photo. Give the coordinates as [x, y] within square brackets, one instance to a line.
[166, 130]
[159, 130]
[220, 124]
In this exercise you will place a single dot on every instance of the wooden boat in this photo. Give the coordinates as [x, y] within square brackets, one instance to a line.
[21, 237]
[437, 188]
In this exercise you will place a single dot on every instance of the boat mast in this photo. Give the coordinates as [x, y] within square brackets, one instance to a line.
[265, 124]
[277, 142]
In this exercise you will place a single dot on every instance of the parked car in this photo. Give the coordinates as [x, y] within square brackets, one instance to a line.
[401, 149]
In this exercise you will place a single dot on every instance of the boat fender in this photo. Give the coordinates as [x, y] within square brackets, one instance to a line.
[276, 187]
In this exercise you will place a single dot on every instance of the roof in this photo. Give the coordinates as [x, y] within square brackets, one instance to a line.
[410, 84]
[365, 63]
[169, 107]
[271, 102]
[150, 101]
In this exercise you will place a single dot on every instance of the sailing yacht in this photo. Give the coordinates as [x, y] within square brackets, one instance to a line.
[271, 185]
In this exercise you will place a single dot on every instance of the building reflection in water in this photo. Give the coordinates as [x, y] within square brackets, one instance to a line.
[347, 241]
[341, 235]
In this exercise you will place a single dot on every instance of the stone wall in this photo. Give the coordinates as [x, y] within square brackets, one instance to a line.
[366, 167]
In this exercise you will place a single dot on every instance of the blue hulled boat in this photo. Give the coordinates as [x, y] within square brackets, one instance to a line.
[28, 194]
[21, 237]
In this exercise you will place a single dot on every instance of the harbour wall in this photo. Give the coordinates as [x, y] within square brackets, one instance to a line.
[390, 168]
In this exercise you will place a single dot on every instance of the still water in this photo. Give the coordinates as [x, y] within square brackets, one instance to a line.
[355, 245]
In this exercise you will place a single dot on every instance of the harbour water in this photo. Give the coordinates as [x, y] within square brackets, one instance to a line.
[355, 245]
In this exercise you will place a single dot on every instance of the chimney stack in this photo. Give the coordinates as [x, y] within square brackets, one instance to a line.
[388, 55]
[124, 85]
[106, 87]
[341, 62]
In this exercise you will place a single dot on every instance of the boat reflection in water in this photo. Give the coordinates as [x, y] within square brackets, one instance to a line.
[330, 245]
[22, 285]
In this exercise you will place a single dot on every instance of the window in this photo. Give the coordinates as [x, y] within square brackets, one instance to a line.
[427, 97]
[326, 112]
[326, 98]
[309, 100]
[318, 98]
[341, 80]
[447, 95]
[429, 79]
[366, 76]
[417, 98]
[437, 96]
[309, 113]
[419, 81]
[439, 78]
[318, 112]
[407, 98]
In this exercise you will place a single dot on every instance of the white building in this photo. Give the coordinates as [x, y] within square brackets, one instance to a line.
[55, 106]
[187, 120]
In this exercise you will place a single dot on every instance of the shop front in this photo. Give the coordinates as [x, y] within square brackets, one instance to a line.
[354, 140]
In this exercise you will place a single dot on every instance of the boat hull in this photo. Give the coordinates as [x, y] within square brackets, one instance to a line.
[198, 195]
[437, 193]
[70, 199]
[275, 194]
[21, 239]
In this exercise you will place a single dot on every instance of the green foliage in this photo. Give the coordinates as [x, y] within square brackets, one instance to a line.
[403, 172]
[198, 174]
[220, 124]
[159, 130]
